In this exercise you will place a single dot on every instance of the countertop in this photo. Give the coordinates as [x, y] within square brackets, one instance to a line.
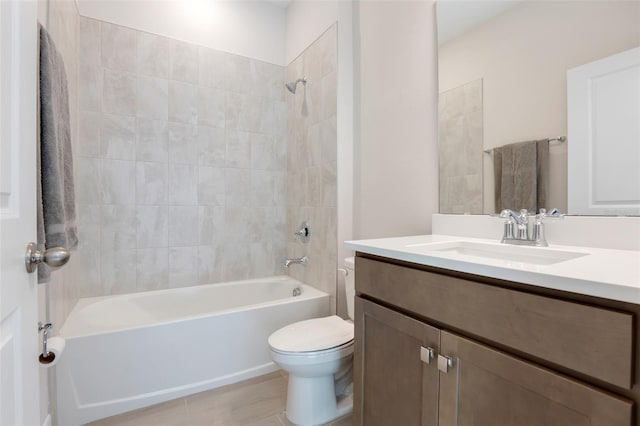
[606, 273]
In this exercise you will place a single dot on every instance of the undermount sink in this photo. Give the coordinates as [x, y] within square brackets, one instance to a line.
[511, 253]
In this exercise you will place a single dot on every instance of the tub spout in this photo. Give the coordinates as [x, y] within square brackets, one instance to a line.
[302, 261]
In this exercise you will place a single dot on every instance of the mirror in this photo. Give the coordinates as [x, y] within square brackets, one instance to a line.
[502, 71]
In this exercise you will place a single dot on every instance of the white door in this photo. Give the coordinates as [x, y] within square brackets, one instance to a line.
[19, 389]
[603, 99]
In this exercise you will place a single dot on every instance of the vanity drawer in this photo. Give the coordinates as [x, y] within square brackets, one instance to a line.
[591, 340]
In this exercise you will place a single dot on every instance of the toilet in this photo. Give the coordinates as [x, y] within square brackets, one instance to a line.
[318, 355]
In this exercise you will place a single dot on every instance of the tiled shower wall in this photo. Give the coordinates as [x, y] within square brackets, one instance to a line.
[62, 21]
[312, 161]
[460, 149]
[182, 163]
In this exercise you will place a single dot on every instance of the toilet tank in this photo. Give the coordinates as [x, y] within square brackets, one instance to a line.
[350, 284]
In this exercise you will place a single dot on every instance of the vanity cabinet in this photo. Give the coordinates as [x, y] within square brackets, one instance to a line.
[436, 348]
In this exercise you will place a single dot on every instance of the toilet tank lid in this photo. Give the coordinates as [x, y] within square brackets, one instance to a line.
[312, 335]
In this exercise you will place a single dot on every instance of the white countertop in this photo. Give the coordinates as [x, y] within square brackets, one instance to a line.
[606, 273]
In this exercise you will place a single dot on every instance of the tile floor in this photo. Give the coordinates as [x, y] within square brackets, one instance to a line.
[256, 402]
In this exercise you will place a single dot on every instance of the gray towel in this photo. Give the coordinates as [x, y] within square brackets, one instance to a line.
[521, 174]
[56, 195]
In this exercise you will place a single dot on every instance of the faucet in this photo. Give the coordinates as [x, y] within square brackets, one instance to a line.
[301, 260]
[521, 221]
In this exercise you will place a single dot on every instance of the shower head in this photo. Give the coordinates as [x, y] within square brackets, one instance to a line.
[292, 86]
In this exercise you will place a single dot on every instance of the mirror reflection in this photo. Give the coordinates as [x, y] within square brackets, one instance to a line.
[502, 69]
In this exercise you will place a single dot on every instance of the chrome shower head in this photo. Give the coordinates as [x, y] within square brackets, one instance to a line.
[292, 86]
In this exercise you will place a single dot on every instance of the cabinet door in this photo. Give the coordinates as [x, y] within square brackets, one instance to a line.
[488, 387]
[395, 381]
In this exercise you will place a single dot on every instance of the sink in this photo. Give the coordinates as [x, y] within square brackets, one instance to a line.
[503, 252]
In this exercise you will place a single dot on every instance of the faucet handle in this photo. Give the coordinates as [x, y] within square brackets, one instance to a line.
[506, 214]
[303, 232]
[551, 214]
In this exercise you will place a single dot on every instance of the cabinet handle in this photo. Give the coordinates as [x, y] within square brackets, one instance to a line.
[427, 354]
[444, 363]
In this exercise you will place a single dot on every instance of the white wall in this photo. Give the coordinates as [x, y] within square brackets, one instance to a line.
[306, 21]
[396, 160]
[255, 29]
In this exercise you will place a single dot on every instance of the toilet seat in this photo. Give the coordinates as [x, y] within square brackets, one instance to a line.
[314, 335]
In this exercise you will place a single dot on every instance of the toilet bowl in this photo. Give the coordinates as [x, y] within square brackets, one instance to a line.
[318, 355]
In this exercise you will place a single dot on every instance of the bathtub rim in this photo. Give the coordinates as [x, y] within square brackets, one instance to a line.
[309, 292]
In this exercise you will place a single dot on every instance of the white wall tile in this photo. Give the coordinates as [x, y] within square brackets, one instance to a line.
[152, 98]
[116, 182]
[269, 81]
[181, 147]
[211, 225]
[329, 184]
[152, 269]
[211, 67]
[183, 143]
[242, 112]
[89, 125]
[238, 74]
[118, 47]
[89, 226]
[152, 183]
[118, 271]
[263, 260]
[153, 55]
[118, 224]
[118, 137]
[210, 264]
[183, 102]
[211, 187]
[183, 226]
[183, 62]
[183, 184]
[211, 146]
[237, 187]
[211, 107]
[183, 266]
[235, 261]
[119, 93]
[90, 80]
[89, 180]
[152, 140]
[328, 136]
[268, 152]
[89, 266]
[272, 117]
[238, 145]
[152, 228]
[90, 71]
[311, 161]
[239, 224]
[267, 188]
[269, 224]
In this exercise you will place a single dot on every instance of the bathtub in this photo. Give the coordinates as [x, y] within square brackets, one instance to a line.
[133, 350]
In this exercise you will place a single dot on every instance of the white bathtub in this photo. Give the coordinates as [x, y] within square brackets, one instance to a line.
[129, 351]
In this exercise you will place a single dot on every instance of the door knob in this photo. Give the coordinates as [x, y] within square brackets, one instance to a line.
[54, 257]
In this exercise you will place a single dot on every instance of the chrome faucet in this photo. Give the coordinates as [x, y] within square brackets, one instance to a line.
[521, 223]
[300, 260]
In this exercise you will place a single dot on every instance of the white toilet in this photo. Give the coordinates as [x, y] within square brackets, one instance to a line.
[318, 355]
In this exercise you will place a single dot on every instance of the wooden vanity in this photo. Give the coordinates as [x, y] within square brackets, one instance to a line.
[438, 347]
